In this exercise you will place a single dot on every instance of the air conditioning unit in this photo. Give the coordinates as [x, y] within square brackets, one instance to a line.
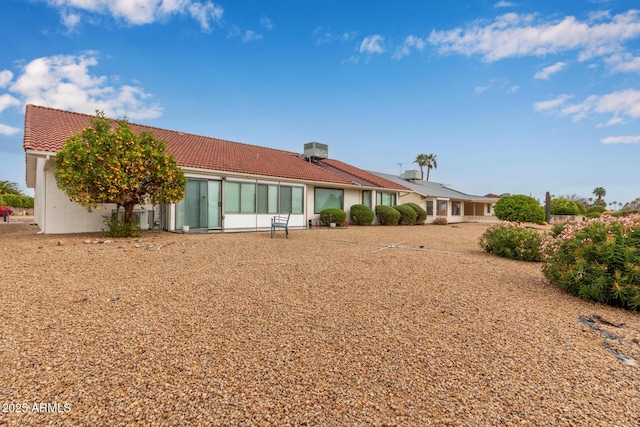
[137, 215]
[316, 150]
[412, 174]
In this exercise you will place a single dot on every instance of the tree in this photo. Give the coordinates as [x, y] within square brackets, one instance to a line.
[9, 187]
[111, 164]
[519, 208]
[428, 160]
[599, 192]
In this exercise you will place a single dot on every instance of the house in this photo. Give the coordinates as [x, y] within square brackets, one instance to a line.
[441, 201]
[231, 186]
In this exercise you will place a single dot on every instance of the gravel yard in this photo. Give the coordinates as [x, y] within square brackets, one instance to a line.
[328, 328]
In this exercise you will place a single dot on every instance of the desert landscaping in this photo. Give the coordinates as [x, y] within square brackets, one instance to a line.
[380, 326]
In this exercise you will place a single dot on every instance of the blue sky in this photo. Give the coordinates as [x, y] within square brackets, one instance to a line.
[517, 97]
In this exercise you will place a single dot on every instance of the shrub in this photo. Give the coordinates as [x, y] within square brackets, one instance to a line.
[619, 214]
[595, 208]
[513, 241]
[519, 208]
[582, 209]
[421, 214]
[328, 216]
[361, 215]
[2, 202]
[598, 259]
[115, 227]
[561, 206]
[440, 221]
[13, 200]
[593, 215]
[559, 227]
[407, 215]
[387, 215]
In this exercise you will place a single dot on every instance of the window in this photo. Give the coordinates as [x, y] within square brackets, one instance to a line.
[455, 208]
[297, 200]
[430, 207]
[488, 208]
[366, 198]
[239, 197]
[442, 208]
[326, 198]
[386, 199]
[267, 198]
[285, 200]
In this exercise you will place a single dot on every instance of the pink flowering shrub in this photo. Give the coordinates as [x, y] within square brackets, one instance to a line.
[513, 241]
[598, 259]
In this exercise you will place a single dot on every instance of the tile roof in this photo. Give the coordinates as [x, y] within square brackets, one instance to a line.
[47, 129]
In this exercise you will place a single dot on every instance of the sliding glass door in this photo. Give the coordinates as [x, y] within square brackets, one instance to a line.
[200, 207]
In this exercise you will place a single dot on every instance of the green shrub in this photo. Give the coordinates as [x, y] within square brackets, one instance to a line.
[328, 216]
[519, 208]
[598, 259]
[115, 227]
[387, 215]
[559, 227]
[582, 209]
[407, 215]
[2, 203]
[440, 221]
[593, 215]
[619, 214]
[13, 200]
[560, 206]
[595, 208]
[27, 202]
[361, 215]
[421, 214]
[513, 241]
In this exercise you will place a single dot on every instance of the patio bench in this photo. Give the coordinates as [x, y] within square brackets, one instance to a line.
[280, 221]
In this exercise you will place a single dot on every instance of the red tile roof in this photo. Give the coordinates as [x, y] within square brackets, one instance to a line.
[358, 175]
[47, 129]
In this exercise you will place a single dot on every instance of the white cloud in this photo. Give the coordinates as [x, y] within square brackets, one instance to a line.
[7, 101]
[266, 23]
[326, 35]
[621, 105]
[551, 104]
[480, 89]
[8, 130]
[250, 36]
[138, 12]
[504, 3]
[372, 44]
[630, 139]
[5, 77]
[513, 35]
[64, 81]
[411, 42]
[546, 72]
[624, 63]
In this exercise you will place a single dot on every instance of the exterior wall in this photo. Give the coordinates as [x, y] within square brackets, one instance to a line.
[56, 214]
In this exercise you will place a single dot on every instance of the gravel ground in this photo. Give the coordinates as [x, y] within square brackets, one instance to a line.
[327, 328]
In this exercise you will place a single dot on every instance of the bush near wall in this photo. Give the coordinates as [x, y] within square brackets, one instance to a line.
[440, 221]
[598, 260]
[407, 215]
[421, 214]
[519, 208]
[561, 206]
[328, 216]
[387, 215]
[513, 241]
[361, 215]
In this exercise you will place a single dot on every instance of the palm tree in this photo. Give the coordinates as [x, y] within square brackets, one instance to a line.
[613, 204]
[599, 192]
[421, 160]
[9, 187]
[431, 163]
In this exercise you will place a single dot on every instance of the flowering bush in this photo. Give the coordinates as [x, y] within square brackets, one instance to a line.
[598, 259]
[513, 241]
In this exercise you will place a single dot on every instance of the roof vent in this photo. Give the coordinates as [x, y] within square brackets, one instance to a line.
[412, 175]
[316, 150]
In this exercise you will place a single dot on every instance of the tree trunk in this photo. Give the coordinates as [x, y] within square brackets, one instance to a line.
[128, 212]
[428, 170]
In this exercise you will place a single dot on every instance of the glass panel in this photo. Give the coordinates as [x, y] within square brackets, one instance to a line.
[213, 200]
[430, 207]
[326, 198]
[297, 200]
[181, 213]
[247, 198]
[366, 198]
[442, 207]
[285, 199]
[232, 197]
[273, 199]
[263, 198]
[386, 199]
[378, 198]
[193, 203]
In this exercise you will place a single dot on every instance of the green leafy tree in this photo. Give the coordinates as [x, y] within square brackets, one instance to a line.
[112, 164]
[9, 187]
[562, 206]
[599, 192]
[519, 208]
[428, 160]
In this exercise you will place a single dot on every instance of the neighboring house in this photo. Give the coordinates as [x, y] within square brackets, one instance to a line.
[230, 186]
[441, 201]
